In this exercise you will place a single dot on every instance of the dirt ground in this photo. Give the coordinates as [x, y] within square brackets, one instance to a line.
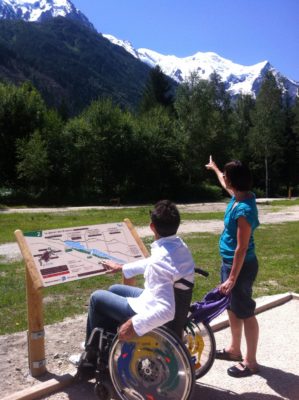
[63, 339]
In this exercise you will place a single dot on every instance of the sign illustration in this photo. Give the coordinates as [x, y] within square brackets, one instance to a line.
[67, 254]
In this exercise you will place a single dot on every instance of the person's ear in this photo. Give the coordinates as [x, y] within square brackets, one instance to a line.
[152, 226]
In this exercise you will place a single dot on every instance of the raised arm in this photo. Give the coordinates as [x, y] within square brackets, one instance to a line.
[212, 166]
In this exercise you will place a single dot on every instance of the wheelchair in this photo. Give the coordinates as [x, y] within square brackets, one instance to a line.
[155, 366]
[160, 365]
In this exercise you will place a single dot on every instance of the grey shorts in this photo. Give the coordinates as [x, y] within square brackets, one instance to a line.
[242, 303]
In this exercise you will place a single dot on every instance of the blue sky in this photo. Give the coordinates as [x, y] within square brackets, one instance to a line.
[244, 31]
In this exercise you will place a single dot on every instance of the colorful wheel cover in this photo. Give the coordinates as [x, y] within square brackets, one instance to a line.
[155, 366]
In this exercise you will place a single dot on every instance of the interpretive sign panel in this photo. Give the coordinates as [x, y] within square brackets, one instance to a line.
[68, 254]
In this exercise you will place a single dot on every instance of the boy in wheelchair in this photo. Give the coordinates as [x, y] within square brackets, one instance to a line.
[168, 282]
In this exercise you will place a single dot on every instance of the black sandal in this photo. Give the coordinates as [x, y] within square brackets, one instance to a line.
[225, 355]
[241, 373]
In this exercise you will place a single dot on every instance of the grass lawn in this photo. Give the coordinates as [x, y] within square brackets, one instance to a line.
[277, 250]
[42, 221]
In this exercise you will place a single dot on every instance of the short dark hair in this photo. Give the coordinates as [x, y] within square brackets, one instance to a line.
[166, 218]
[238, 175]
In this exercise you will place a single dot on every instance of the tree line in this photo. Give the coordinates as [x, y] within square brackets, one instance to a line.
[158, 151]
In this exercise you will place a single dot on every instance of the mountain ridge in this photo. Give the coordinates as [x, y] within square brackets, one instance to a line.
[238, 78]
[39, 11]
[69, 63]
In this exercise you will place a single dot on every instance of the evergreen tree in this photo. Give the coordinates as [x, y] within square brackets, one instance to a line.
[33, 167]
[203, 112]
[266, 135]
[157, 161]
[22, 111]
[158, 91]
[41, 161]
[241, 125]
[101, 152]
[292, 147]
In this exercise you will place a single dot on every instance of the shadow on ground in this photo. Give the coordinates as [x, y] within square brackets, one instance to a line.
[285, 384]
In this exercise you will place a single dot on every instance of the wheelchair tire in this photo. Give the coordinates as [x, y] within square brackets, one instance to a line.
[154, 366]
[200, 342]
[102, 391]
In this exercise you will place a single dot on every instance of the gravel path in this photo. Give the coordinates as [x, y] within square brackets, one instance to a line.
[11, 252]
[277, 354]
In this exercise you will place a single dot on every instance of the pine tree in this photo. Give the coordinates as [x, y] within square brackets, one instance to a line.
[241, 126]
[266, 136]
[292, 148]
[158, 91]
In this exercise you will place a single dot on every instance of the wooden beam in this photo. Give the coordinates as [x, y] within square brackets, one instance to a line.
[271, 302]
[132, 281]
[39, 390]
[29, 261]
[137, 237]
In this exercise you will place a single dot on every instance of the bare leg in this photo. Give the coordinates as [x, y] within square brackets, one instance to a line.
[251, 330]
[236, 326]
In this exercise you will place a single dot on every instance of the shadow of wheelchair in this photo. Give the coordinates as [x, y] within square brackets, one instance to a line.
[207, 392]
[285, 384]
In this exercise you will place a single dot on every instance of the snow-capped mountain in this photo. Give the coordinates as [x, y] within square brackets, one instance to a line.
[238, 78]
[33, 10]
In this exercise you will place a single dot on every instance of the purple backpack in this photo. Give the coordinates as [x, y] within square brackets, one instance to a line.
[213, 304]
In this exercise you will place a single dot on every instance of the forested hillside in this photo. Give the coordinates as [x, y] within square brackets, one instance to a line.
[69, 64]
[160, 151]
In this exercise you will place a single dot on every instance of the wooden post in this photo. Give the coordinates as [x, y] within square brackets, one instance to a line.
[132, 281]
[35, 333]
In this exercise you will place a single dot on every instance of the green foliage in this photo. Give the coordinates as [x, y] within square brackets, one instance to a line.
[203, 110]
[290, 169]
[107, 152]
[100, 144]
[157, 153]
[22, 111]
[266, 135]
[35, 164]
[241, 125]
[158, 91]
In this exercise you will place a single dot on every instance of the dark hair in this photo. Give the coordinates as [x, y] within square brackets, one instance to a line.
[166, 218]
[238, 175]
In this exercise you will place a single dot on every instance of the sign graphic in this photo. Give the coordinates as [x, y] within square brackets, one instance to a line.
[67, 254]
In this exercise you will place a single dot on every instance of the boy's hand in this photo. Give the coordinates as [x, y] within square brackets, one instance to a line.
[112, 266]
[126, 330]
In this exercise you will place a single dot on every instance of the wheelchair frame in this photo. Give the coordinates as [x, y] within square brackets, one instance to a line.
[158, 365]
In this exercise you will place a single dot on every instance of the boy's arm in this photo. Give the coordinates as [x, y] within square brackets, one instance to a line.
[130, 269]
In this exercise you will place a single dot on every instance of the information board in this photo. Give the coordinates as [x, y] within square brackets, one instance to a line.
[68, 254]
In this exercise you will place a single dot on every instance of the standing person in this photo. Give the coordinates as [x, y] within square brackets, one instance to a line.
[239, 265]
[138, 311]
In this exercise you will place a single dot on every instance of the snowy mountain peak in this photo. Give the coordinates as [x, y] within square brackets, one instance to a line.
[122, 43]
[38, 11]
[238, 78]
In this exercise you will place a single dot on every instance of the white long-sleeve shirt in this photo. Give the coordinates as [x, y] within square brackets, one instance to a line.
[170, 261]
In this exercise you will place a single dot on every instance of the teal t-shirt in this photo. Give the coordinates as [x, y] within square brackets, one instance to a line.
[228, 240]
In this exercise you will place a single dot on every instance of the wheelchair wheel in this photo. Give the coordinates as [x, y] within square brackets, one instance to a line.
[102, 391]
[200, 341]
[154, 366]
